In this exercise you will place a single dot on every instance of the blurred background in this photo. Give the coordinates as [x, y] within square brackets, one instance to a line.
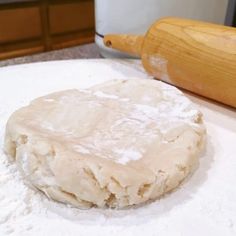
[35, 26]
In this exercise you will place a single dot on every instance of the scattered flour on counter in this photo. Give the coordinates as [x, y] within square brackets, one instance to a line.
[204, 205]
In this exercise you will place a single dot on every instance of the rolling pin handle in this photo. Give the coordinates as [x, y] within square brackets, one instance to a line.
[131, 44]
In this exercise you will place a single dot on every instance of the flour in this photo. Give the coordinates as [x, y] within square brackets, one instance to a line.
[126, 155]
[48, 100]
[104, 95]
[203, 205]
[81, 149]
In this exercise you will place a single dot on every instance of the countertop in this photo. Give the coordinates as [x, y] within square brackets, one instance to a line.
[204, 204]
[78, 52]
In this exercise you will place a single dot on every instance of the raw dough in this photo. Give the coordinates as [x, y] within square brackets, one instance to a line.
[116, 144]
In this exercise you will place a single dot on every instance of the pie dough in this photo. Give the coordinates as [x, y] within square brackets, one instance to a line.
[117, 144]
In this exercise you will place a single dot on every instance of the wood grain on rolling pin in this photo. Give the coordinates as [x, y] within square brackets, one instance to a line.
[196, 56]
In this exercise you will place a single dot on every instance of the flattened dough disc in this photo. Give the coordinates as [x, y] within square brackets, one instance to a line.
[116, 144]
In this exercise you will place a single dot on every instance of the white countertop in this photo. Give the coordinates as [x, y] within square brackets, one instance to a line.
[203, 205]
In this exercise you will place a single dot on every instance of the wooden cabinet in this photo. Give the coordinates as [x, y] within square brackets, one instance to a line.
[36, 26]
[19, 24]
[74, 17]
[71, 23]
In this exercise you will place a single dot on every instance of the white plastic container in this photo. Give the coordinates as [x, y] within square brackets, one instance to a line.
[135, 16]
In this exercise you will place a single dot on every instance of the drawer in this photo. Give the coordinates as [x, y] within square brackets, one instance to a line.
[71, 17]
[20, 24]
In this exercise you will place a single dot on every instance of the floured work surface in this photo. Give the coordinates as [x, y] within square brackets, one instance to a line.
[203, 204]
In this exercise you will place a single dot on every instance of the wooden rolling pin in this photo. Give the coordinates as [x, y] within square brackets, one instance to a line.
[197, 56]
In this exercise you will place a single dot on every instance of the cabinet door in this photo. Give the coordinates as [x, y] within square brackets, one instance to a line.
[71, 17]
[20, 24]
[71, 23]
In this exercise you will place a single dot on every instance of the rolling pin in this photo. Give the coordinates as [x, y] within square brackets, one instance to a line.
[197, 56]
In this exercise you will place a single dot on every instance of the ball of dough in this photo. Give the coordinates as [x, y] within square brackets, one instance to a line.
[117, 144]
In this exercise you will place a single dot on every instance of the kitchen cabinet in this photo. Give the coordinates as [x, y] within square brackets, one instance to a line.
[31, 26]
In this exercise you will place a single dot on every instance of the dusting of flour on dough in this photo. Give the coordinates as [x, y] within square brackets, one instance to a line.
[81, 149]
[104, 95]
[126, 155]
[49, 100]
